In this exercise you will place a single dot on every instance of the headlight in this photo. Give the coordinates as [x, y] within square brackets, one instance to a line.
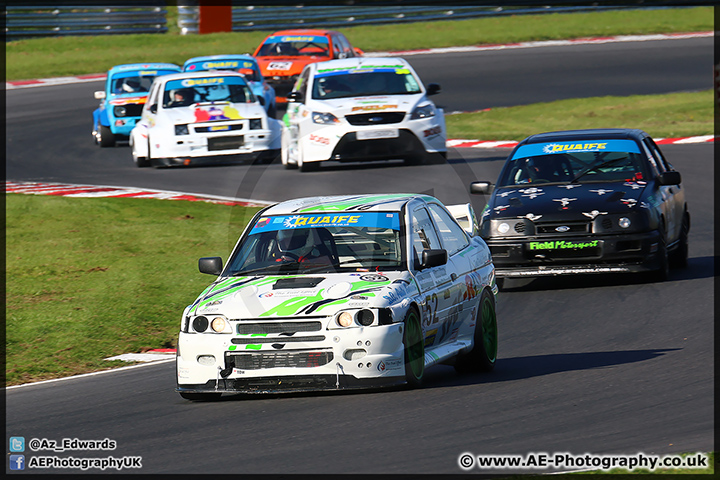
[181, 130]
[423, 111]
[215, 323]
[255, 124]
[624, 222]
[365, 317]
[324, 118]
[507, 227]
[119, 111]
[345, 319]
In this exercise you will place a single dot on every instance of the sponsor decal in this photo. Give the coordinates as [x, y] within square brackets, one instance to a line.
[129, 101]
[562, 245]
[532, 217]
[318, 139]
[430, 337]
[222, 64]
[374, 278]
[210, 114]
[365, 219]
[279, 65]
[594, 214]
[191, 82]
[601, 191]
[301, 38]
[372, 108]
[625, 146]
[389, 365]
[564, 202]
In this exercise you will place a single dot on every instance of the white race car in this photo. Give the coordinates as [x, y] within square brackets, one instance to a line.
[359, 109]
[203, 117]
[341, 292]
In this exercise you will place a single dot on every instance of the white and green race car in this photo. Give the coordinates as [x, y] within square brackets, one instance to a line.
[342, 292]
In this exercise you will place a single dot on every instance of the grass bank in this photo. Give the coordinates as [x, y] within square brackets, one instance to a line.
[91, 278]
[662, 116]
[69, 56]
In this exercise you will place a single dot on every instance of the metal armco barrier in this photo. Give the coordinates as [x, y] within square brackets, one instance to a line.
[89, 19]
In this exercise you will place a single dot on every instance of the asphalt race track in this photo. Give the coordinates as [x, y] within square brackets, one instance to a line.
[600, 365]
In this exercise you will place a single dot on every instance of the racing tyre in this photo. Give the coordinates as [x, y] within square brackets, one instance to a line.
[105, 137]
[414, 349]
[484, 353]
[679, 256]
[662, 273]
[200, 397]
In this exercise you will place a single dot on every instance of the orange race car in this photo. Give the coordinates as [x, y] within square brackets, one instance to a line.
[284, 54]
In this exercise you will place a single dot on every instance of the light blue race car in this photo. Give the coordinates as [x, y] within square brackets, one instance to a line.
[245, 64]
[123, 99]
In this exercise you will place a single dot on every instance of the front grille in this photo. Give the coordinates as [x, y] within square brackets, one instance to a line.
[133, 109]
[277, 327]
[607, 223]
[551, 228]
[380, 118]
[225, 143]
[277, 340]
[219, 128]
[520, 227]
[257, 361]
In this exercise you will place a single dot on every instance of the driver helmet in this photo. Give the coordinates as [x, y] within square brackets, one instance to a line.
[130, 85]
[293, 240]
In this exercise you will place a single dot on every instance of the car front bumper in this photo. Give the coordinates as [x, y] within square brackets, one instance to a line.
[331, 359]
[547, 256]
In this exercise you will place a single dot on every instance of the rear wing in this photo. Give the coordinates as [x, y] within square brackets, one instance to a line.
[465, 216]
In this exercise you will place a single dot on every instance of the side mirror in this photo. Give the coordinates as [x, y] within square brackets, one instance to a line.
[99, 95]
[153, 108]
[358, 52]
[433, 89]
[210, 265]
[481, 188]
[433, 258]
[295, 97]
[669, 178]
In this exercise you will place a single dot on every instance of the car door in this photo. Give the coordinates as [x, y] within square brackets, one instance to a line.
[432, 282]
[461, 292]
[676, 195]
[668, 193]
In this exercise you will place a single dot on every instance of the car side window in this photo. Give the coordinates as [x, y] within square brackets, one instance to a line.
[337, 50]
[423, 234]
[657, 166]
[658, 154]
[302, 83]
[345, 45]
[153, 97]
[452, 235]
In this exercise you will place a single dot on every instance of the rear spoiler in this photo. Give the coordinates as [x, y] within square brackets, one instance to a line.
[465, 216]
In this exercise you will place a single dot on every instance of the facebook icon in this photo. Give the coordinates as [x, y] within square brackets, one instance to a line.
[17, 462]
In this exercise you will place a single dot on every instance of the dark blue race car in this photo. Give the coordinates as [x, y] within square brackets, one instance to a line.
[586, 201]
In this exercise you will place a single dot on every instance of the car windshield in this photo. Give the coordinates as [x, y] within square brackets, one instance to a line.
[135, 81]
[246, 67]
[188, 91]
[364, 81]
[295, 45]
[320, 243]
[575, 162]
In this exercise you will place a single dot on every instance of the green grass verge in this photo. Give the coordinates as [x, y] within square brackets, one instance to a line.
[87, 279]
[69, 56]
[662, 116]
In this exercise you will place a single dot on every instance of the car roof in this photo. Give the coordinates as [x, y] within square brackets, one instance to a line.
[393, 202]
[587, 134]
[203, 73]
[231, 56]
[144, 66]
[303, 31]
[354, 62]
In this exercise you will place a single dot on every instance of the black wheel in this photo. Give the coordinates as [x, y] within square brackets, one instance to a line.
[663, 272]
[106, 137]
[200, 397]
[484, 353]
[414, 349]
[679, 256]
